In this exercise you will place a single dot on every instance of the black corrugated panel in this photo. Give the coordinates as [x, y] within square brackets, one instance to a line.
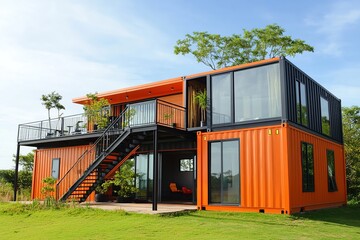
[314, 92]
[169, 146]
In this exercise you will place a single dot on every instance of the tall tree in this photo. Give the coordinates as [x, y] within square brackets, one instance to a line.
[26, 161]
[351, 127]
[216, 51]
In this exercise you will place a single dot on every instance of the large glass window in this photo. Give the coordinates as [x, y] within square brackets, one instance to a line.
[307, 165]
[221, 98]
[332, 187]
[224, 177]
[325, 116]
[144, 175]
[257, 93]
[301, 104]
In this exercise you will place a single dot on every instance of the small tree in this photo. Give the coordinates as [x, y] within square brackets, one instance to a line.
[50, 101]
[48, 190]
[95, 110]
[124, 179]
[201, 99]
[216, 51]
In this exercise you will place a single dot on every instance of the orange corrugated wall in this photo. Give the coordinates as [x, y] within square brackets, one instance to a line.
[321, 197]
[263, 169]
[43, 161]
[270, 168]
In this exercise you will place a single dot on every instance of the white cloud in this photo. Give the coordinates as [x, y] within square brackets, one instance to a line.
[70, 48]
[335, 26]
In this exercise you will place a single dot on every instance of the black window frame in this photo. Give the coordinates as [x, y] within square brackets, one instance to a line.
[299, 109]
[322, 116]
[209, 172]
[232, 98]
[308, 179]
[332, 186]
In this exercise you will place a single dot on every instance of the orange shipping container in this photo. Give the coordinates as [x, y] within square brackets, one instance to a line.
[43, 166]
[271, 172]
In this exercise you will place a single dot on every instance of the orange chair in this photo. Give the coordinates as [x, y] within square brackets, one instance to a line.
[174, 188]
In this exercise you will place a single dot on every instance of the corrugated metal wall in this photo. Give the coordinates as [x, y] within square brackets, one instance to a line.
[321, 196]
[262, 168]
[270, 170]
[43, 165]
[314, 91]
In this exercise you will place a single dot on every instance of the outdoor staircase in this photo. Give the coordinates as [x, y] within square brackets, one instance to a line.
[107, 154]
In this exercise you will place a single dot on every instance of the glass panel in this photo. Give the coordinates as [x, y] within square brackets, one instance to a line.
[304, 166]
[215, 172]
[298, 103]
[325, 119]
[307, 164]
[310, 156]
[230, 184]
[142, 176]
[221, 98]
[55, 168]
[151, 176]
[332, 187]
[257, 93]
[140, 114]
[304, 117]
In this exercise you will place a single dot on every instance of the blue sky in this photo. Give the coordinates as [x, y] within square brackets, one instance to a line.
[77, 47]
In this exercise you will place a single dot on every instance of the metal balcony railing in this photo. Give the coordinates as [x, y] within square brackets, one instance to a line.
[137, 115]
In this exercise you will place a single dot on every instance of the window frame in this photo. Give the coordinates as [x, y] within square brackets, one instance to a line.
[232, 102]
[58, 168]
[322, 99]
[221, 177]
[299, 100]
[305, 170]
[332, 186]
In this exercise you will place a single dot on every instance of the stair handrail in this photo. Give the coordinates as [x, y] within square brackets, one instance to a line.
[118, 120]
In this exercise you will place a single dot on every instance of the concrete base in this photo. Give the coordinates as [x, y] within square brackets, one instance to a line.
[145, 208]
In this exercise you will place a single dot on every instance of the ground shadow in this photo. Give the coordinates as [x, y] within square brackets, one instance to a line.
[347, 215]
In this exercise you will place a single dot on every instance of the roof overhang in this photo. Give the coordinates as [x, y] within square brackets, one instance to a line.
[140, 92]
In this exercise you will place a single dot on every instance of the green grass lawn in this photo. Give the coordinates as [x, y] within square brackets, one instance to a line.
[19, 222]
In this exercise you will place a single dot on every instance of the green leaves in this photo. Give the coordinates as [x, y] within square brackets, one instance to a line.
[96, 110]
[351, 129]
[218, 51]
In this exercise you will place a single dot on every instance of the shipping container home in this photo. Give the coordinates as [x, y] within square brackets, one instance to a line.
[268, 140]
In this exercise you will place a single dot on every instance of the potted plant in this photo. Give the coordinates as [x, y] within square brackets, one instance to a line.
[124, 181]
[97, 110]
[201, 99]
[50, 101]
[168, 119]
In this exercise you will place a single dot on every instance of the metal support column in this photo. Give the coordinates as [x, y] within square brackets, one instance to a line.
[16, 171]
[155, 171]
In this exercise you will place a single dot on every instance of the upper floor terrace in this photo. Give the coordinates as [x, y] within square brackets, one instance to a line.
[136, 115]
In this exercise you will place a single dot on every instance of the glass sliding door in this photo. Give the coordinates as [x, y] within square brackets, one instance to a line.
[224, 172]
[144, 176]
[215, 172]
